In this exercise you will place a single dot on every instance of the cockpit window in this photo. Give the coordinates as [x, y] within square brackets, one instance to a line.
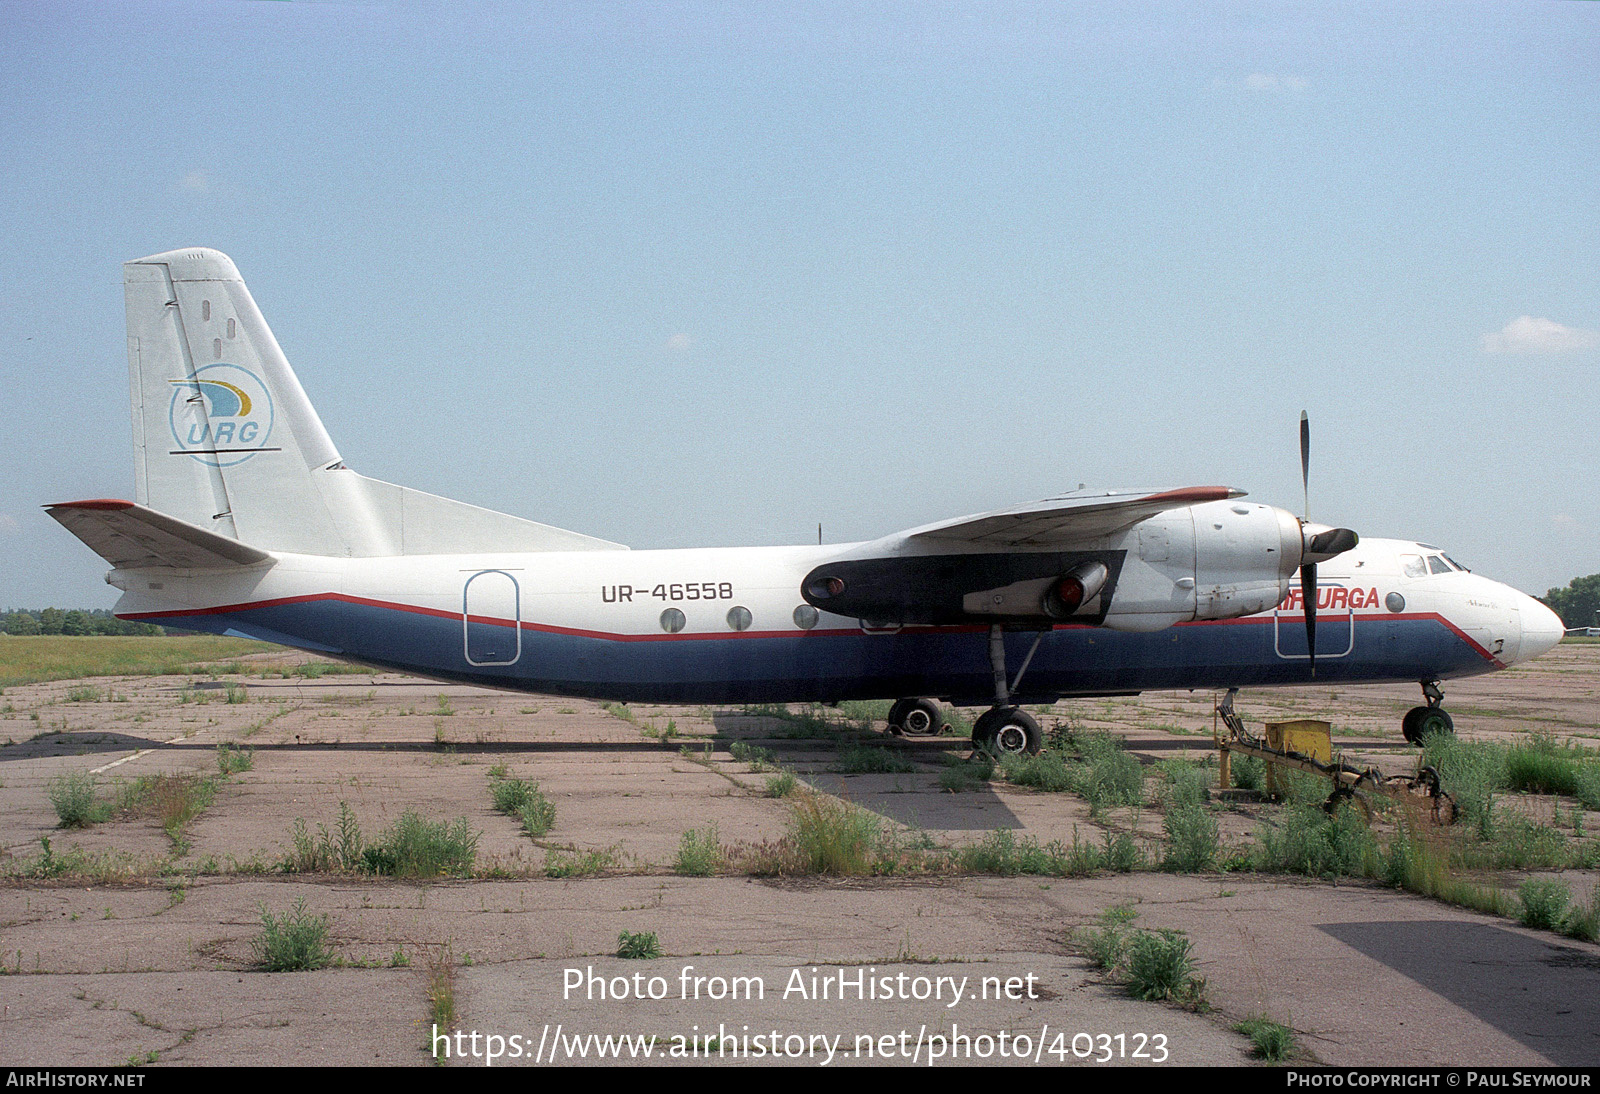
[1413, 566]
[1456, 564]
[1436, 565]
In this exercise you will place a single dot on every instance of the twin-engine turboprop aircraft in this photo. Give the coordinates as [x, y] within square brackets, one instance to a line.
[247, 522]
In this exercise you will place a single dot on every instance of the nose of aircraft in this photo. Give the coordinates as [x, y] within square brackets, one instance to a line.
[1541, 629]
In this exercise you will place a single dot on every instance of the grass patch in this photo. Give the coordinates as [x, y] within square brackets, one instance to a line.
[31, 659]
[638, 946]
[298, 940]
[872, 760]
[960, 776]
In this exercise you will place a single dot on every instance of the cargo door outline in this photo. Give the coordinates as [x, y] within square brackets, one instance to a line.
[491, 618]
[1331, 627]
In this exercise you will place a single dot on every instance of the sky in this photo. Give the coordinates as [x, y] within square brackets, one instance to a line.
[703, 274]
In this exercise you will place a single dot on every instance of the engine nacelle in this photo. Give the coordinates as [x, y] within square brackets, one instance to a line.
[1220, 560]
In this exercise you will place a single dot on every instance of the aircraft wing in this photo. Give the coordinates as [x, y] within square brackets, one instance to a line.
[1071, 518]
[135, 537]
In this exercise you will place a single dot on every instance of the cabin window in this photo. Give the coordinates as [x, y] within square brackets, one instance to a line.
[1413, 566]
[1436, 565]
[230, 328]
[1395, 603]
[1456, 564]
[805, 617]
[672, 621]
[205, 310]
[739, 618]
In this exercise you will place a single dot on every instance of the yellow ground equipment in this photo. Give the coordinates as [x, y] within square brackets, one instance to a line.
[1307, 745]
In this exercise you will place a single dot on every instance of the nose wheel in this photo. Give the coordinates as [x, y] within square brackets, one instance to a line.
[1421, 722]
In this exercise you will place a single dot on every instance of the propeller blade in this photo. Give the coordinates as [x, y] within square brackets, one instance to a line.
[1305, 465]
[1308, 598]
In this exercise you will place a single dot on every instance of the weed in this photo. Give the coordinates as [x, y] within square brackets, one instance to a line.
[342, 851]
[961, 775]
[1544, 903]
[75, 799]
[833, 837]
[1249, 772]
[1308, 841]
[444, 709]
[1192, 839]
[638, 946]
[782, 784]
[699, 852]
[759, 759]
[418, 847]
[1269, 1040]
[586, 864]
[1046, 771]
[231, 761]
[1161, 966]
[297, 941]
[1583, 921]
[872, 760]
[442, 991]
[83, 695]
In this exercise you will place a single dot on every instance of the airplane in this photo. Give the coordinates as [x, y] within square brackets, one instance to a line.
[247, 522]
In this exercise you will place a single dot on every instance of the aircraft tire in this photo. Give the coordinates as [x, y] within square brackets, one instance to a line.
[1007, 731]
[1421, 722]
[897, 714]
[922, 718]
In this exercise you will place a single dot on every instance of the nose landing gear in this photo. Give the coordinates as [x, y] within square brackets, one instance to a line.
[1422, 721]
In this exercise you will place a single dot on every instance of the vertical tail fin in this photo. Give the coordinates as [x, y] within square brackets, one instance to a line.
[225, 438]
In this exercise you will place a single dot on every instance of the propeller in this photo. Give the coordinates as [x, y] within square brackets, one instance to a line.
[1319, 544]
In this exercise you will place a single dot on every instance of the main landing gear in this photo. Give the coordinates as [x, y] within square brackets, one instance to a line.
[1422, 721]
[1006, 729]
[916, 717]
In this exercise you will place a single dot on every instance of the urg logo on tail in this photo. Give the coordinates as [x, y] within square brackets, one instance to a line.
[220, 416]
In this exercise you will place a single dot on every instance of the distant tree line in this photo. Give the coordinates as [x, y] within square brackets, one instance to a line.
[1577, 603]
[71, 621]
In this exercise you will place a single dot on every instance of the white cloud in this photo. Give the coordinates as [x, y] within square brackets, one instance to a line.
[1266, 81]
[1525, 334]
[679, 342]
[197, 182]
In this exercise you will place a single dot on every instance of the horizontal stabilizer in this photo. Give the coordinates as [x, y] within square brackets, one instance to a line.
[1067, 519]
[134, 537]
